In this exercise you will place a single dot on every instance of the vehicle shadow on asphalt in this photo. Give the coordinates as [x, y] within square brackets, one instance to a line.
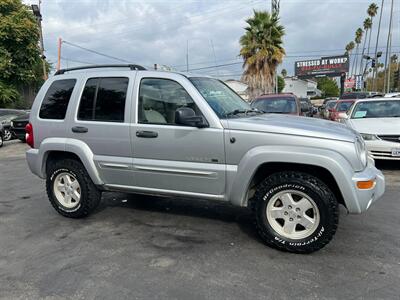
[388, 164]
[184, 207]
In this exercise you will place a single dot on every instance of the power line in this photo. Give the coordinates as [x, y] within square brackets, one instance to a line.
[96, 52]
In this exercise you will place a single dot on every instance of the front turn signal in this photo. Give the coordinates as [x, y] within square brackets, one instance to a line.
[366, 185]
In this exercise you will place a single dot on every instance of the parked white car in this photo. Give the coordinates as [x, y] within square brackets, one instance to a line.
[378, 121]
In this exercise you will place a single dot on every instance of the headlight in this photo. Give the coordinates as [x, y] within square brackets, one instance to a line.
[12, 124]
[361, 151]
[369, 137]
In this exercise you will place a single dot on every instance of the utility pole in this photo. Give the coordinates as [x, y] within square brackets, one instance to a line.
[386, 81]
[59, 54]
[38, 15]
[275, 6]
[375, 71]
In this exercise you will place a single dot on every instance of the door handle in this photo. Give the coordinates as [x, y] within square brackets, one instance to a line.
[147, 134]
[79, 129]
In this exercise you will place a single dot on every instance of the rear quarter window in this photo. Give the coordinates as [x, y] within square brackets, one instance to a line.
[55, 102]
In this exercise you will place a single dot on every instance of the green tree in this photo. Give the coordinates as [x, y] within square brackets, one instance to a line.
[367, 26]
[281, 84]
[328, 87]
[358, 39]
[371, 11]
[262, 51]
[20, 62]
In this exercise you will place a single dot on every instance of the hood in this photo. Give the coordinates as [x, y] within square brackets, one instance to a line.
[294, 125]
[380, 126]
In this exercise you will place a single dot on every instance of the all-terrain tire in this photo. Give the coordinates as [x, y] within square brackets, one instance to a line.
[90, 195]
[302, 183]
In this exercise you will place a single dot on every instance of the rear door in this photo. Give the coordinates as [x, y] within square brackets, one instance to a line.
[101, 121]
[172, 158]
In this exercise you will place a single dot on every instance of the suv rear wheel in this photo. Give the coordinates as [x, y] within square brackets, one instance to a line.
[295, 212]
[70, 189]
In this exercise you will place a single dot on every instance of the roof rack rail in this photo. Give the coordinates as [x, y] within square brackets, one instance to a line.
[130, 66]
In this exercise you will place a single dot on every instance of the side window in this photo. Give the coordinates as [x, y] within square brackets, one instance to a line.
[103, 99]
[159, 99]
[55, 102]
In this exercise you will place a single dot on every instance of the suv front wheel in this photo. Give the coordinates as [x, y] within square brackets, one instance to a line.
[295, 212]
[70, 189]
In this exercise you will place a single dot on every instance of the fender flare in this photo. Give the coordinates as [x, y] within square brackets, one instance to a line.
[340, 168]
[74, 146]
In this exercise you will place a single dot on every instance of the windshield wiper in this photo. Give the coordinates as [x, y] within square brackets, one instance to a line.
[243, 111]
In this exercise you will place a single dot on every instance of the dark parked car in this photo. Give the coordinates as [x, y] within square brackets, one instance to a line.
[6, 115]
[18, 126]
[278, 104]
[307, 107]
[1, 135]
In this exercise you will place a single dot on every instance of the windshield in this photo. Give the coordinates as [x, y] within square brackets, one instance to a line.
[285, 105]
[377, 109]
[344, 106]
[220, 97]
[330, 104]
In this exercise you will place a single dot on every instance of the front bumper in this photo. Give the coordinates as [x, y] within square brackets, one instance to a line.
[380, 149]
[365, 197]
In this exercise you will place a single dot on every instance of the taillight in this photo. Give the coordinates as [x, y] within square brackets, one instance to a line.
[29, 135]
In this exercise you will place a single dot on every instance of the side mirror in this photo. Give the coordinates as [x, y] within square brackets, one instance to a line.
[187, 116]
[342, 116]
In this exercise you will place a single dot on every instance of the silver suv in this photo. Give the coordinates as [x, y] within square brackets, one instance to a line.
[123, 128]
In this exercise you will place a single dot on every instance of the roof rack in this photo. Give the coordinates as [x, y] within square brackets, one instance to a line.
[130, 66]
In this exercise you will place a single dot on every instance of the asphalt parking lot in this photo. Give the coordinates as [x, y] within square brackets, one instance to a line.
[137, 247]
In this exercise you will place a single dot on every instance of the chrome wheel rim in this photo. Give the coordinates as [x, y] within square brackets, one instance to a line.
[7, 135]
[293, 214]
[67, 190]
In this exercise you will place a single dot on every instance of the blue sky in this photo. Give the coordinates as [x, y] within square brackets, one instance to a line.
[148, 32]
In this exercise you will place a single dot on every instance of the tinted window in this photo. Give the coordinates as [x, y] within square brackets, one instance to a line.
[55, 103]
[276, 105]
[160, 98]
[344, 106]
[103, 99]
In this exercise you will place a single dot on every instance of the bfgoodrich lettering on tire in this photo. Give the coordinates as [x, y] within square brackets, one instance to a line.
[70, 189]
[295, 212]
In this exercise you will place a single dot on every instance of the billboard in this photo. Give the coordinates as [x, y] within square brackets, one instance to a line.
[332, 66]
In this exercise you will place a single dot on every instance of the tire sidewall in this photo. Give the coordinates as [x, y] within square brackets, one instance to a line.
[54, 199]
[314, 192]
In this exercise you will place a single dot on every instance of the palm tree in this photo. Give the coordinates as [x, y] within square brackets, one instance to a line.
[371, 11]
[349, 47]
[262, 52]
[367, 26]
[358, 38]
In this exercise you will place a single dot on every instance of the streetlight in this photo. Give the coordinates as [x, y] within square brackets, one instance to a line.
[38, 15]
